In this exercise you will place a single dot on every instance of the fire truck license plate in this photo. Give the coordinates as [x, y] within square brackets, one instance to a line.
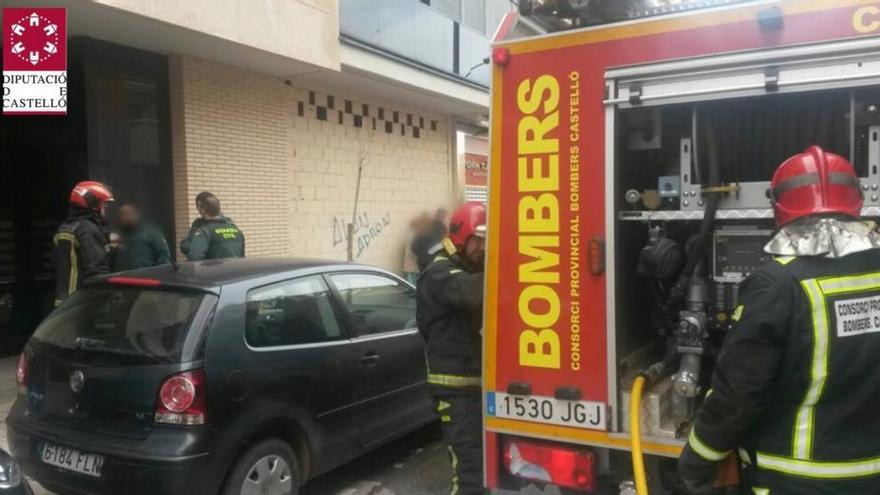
[576, 413]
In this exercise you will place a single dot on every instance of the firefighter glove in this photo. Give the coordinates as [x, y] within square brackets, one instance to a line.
[697, 473]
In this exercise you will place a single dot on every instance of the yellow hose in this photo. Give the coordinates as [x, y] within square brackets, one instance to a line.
[635, 427]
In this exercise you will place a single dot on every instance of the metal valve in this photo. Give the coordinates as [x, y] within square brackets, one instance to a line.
[627, 488]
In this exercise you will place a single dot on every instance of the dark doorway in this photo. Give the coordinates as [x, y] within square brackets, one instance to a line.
[117, 131]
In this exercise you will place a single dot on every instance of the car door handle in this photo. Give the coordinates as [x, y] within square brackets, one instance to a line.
[370, 359]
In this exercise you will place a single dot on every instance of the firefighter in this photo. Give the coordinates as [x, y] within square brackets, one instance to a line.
[140, 245]
[80, 245]
[796, 388]
[212, 235]
[450, 302]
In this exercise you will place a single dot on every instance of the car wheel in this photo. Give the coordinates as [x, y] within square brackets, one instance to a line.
[267, 468]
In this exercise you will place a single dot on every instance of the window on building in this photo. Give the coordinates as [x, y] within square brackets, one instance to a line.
[292, 312]
[449, 8]
[377, 303]
[474, 15]
[481, 16]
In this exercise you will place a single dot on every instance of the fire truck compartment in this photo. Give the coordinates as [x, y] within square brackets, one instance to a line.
[756, 109]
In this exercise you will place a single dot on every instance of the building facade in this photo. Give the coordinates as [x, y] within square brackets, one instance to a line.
[284, 160]
[280, 107]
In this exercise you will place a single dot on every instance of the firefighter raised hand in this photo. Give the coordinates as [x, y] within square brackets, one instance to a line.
[796, 388]
[450, 302]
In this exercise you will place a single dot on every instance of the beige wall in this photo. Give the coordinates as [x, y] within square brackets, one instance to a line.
[262, 24]
[289, 180]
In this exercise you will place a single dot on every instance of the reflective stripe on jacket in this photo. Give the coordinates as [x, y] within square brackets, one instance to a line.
[797, 383]
[79, 253]
[449, 314]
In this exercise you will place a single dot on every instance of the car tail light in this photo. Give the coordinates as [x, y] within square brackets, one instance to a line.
[21, 375]
[548, 462]
[181, 399]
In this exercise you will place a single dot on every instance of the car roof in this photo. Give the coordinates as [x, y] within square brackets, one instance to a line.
[210, 274]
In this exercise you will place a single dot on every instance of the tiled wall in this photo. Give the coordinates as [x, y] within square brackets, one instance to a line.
[284, 162]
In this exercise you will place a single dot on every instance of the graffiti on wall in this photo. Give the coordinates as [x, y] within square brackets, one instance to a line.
[365, 231]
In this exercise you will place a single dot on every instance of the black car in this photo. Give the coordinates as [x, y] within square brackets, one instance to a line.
[11, 480]
[228, 376]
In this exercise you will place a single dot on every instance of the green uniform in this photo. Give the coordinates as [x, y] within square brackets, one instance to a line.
[213, 239]
[141, 248]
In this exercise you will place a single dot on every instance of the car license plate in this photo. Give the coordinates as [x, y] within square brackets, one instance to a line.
[72, 460]
[576, 413]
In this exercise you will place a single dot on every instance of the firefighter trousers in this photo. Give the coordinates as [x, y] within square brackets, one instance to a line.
[462, 422]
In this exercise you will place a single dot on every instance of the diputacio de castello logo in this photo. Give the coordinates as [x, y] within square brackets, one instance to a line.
[34, 61]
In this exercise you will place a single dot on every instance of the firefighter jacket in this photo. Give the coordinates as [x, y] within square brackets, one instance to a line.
[211, 239]
[449, 314]
[797, 383]
[141, 247]
[79, 251]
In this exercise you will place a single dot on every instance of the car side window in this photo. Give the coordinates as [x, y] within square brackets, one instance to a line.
[377, 303]
[293, 312]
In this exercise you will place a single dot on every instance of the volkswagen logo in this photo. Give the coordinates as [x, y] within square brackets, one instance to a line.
[77, 380]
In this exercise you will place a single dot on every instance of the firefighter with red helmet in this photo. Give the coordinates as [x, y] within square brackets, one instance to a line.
[449, 313]
[80, 250]
[796, 388]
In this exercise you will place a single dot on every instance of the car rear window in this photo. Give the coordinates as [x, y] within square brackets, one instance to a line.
[148, 324]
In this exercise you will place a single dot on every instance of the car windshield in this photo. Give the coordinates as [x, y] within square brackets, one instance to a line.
[151, 324]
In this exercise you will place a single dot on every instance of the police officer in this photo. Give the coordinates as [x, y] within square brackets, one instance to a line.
[140, 243]
[212, 236]
[450, 302]
[796, 388]
[80, 245]
[198, 222]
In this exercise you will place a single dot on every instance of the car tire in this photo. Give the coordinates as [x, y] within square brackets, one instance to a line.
[268, 467]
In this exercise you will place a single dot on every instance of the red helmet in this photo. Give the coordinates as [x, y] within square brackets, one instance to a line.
[815, 182]
[91, 195]
[469, 219]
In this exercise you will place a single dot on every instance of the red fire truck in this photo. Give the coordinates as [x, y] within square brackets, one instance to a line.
[628, 170]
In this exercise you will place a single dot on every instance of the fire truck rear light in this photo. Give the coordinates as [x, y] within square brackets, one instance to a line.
[501, 56]
[550, 463]
[596, 256]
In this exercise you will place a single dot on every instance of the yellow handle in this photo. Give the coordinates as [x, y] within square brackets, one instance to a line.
[635, 431]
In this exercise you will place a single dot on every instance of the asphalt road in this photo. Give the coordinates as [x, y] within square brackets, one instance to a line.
[414, 465]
